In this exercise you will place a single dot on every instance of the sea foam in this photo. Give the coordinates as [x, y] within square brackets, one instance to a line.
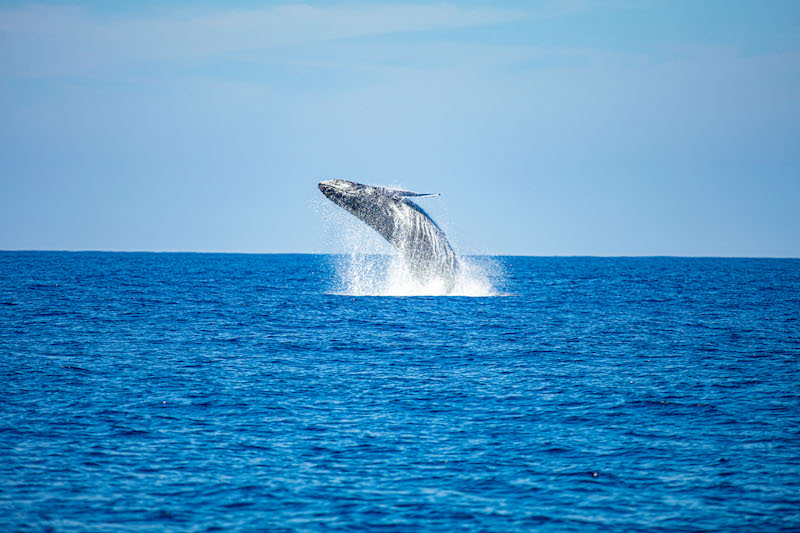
[388, 275]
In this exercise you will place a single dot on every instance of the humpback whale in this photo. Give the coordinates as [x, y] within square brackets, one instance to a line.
[406, 226]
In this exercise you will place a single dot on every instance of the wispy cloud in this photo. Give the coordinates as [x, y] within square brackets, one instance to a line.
[47, 40]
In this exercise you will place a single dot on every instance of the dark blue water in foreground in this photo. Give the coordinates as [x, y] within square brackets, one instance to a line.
[193, 392]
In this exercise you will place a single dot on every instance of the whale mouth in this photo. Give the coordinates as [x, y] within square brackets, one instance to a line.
[329, 189]
[338, 189]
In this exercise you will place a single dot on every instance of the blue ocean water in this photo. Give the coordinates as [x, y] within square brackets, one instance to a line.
[194, 392]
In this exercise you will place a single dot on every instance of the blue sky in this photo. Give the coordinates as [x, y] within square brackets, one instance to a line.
[549, 128]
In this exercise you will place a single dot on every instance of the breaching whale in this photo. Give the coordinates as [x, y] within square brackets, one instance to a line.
[391, 213]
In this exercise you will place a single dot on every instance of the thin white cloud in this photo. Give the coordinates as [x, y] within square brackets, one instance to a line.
[46, 40]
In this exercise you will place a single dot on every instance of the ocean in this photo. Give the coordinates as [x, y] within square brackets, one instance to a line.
[224, 392]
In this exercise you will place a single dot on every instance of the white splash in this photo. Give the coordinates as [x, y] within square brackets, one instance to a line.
[388, 275]
[372, 267]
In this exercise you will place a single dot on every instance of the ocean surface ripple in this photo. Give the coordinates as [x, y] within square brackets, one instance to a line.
[207, 392]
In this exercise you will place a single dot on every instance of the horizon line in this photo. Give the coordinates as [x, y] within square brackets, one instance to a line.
[347, 253]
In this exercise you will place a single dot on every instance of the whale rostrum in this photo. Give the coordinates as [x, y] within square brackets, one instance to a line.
[406, 226]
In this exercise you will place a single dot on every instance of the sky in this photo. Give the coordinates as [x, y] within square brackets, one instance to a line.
[606, 128]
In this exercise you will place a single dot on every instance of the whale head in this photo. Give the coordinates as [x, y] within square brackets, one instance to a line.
[340, 188]
[348, 194]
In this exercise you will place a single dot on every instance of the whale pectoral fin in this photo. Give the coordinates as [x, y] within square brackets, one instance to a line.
[409, 194]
